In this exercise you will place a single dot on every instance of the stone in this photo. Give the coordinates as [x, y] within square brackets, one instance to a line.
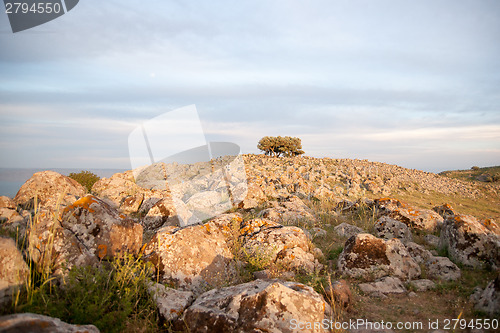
[288, 212]
[445, 210]
[257, 306]
[368, 257]
[318, 232]
[193, 258]
[471, 242]
[10, 219]
[341, 293]
[419, 219]
[347, 230]
[488, 300]
[171, 303]
[418, 253]
[13, 269]
[432, 240]
[422, 285]
[385, 285]
[31, 323]
[388, 228]
[162, 213]
[51, 189]
[102, 229]
[442, 268]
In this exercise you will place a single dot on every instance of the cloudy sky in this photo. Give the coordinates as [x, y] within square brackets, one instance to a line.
[413, 83]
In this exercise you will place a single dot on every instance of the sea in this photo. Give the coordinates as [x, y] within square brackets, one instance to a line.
[11, 179]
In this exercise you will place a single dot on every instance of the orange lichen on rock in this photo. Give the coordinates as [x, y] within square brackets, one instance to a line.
[84, 203]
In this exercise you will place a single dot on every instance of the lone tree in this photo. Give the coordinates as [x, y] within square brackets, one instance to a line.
[280, 146]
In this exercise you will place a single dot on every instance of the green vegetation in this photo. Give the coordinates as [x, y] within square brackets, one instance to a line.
[86, 178]
[280, 146]
[487, 174]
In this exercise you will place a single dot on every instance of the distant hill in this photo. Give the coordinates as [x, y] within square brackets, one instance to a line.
[487, 174]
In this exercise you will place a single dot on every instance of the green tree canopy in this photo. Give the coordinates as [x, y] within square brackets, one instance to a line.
[280, 146]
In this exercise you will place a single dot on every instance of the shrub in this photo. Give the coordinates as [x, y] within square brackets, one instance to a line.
[475, 168]
[280, 146]
[86, 178]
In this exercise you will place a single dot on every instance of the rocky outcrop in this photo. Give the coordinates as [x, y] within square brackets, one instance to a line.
[488, 300]
[285, 246]
[30, 323]
[368, 257]
[171, 303]
[442, 268]
[51, 190]
[471, 242]
[13, 269]
[347, 230]
[288, 212]
[10, 219]
[193, 258]
[385, 285]
[257, 306]
[388, 228]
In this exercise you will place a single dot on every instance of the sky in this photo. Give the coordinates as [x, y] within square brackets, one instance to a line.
[412, 83]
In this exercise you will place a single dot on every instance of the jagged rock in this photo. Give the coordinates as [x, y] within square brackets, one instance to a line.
[287, 246]
[488, 300]
[471, 242]
[347, 230]
[288, 212]
[420, 219]
[445, 211]
[388, 228]
[13, 269]
[385, 285]
[257, 306]
[418, 252]
[10, 219]
[101, 229]
[228, 224]
[51, 189]
[442, 268]
[193, 258]
[35, 323]
[367, 256]
[254, 197]
[422, 285]
[168, 212]
[171, 303]
[387, 205]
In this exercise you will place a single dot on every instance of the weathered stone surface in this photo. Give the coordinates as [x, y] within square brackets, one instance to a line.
[10, 219]
[418, 253]
[162, 213]
[388, 228]
[101, 229]
[422, 285]
[442, 268]
[171, 303]
[13, 269]
[255, 196]
[257, 306]
[347, 230]
[288, 246]
[432, 240]
[51, 190]
[471, 242]
[420, 219]
[488, 300]
[342, 293]
[367, 256]
[193, 258]
[288, 212]
[445, 210]
[35, 323]
[385, 285]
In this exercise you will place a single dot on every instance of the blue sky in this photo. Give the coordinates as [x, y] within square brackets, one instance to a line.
[413, 83]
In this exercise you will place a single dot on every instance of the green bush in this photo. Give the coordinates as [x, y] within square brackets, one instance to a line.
[113, 298]
[86, 178]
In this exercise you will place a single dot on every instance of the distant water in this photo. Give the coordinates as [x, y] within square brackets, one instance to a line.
[12, 179]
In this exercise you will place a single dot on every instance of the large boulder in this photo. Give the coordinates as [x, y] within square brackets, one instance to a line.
[368, 257]
[471, 242]
[488, 300]
[285, 246]
[13, 269]
[388, 228]
[193, 258]
[171, 303]
[35, 323]
[258, 306]
[101, 228]
[51, 190]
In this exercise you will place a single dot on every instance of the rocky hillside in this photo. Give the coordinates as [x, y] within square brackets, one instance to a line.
[312, 240]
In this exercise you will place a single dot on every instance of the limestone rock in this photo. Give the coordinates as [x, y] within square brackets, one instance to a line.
[422, 285]
[13, 269]
[420, 219]
[288, 212]
[193, 258]
[171, 303]
[257, 306]
[442, 268]
[385, 285]
[31, 323]
[101, 229]
[388, 228]
[488, 300]
[445, 211]
[471, 242]
[10, 219]
[367, 256]
[342, 293]
[418, 253]
[51, 190]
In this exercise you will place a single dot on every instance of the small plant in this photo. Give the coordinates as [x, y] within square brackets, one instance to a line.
[86, 178]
